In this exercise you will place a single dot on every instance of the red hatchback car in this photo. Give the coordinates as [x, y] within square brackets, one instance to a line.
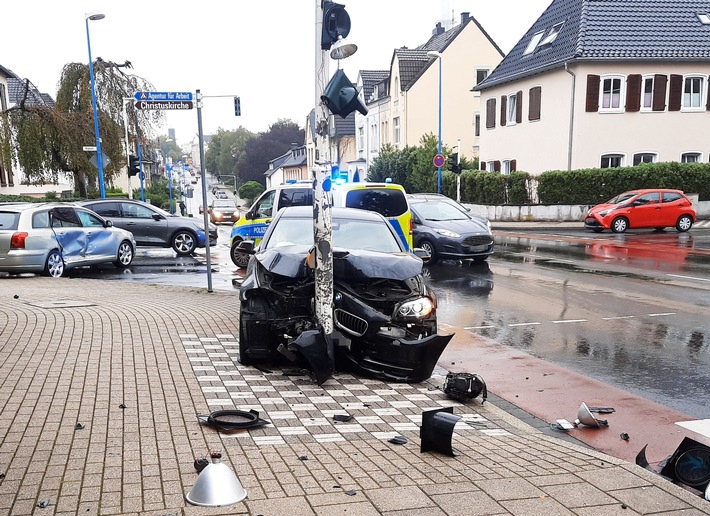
[651, 208]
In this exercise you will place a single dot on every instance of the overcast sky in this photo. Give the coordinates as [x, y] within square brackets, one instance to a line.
[262, 51]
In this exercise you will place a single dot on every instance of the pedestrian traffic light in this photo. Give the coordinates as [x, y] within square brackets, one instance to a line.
[454, 162]
[336, 22]
[133, 166]
[342, 97]
[237, 107]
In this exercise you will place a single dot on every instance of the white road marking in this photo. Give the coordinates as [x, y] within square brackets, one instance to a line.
[687, 277]
[662, 314]
[525, 324]
[618, 317]
[478, 327]
[563, 321]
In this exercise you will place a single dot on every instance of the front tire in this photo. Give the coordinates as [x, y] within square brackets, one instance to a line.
[619, 225]
[54, 266]
[685, 222]
[238, 258]
[125, 255]
[429, 248]
[184, 243]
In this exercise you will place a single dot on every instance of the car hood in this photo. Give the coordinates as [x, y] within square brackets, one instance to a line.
[460, 226]
[602, 207]
[353, 265]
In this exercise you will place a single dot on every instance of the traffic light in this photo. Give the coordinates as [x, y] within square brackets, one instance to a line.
[133, 166]
[237, 107]
[454, 162]
[341, 96]
[336, 22]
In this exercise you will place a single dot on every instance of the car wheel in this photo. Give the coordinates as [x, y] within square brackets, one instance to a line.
[429, 248]
[184, 242]
[619, 225]
[597, 230]
[125, 254]
[685, 222]
[239, 259]
[54, 266]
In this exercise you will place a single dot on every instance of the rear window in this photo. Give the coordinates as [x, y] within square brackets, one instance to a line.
[9, 219]
[388, 202]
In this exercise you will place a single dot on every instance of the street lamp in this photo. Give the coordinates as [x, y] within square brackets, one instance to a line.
[437, 55]
[99, 156]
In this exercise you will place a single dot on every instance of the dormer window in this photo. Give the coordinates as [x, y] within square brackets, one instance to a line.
[551, 35]
[704, 18]
[533, 43]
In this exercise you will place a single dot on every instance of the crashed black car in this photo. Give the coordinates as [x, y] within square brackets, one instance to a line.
[384, 316]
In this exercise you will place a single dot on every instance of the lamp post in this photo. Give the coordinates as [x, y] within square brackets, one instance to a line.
[99, 156]
[437, 55]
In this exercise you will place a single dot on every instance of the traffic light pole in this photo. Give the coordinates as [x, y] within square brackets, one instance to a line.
[458, 176]
[128, 150]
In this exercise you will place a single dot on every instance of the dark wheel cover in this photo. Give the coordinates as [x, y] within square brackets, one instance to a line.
[239, 259]
[184, 243]
[429, 248]
[684, 223]
[55, 265]
[619, 225]
[125, 254]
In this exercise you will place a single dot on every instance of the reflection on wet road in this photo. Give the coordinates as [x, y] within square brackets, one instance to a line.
[615, 313]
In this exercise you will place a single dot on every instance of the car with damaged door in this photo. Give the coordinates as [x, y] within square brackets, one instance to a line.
[51, 238]
[153, 227]
[384, 315]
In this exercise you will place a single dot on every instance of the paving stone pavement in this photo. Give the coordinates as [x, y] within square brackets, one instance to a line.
[101, 385]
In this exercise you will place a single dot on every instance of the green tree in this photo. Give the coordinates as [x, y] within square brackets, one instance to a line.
[226, 153]
[250, 191]
[45, 140]
[267, 146]
[424, 177]
[394, 164]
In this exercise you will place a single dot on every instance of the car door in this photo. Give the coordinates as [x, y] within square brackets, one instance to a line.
[645, 211]
[149, 227]
[261, 214]
[101, 244]
[69, 234]
[671, 208]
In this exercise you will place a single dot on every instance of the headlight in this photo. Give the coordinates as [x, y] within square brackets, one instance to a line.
[418, 308]
[604, 213]
[447, 233]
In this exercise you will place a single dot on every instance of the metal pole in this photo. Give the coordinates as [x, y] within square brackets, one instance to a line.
[439, 168]
[458, 176]
[198, 102]
[169, 170]
[128, 150]
[140, 169]
[322, 203]
[99, 155]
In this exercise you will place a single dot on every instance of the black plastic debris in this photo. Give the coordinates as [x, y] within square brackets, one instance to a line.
[437, 431]
[201, 463]
[602, 410]
[16, 296]
[79, 426]
[624, 436]
[43, 503]
[233, 420]
[303, 457]
[463, 386]
[689, 464]
[398, 439]
[122, 406]
[343, 418]
[350, 492]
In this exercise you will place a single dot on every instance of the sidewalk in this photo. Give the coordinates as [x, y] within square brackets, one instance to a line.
[76, 351]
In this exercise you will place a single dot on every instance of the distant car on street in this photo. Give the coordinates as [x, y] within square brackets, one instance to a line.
[51, 238]
[152, 226]
[656, 208]
[223, 210]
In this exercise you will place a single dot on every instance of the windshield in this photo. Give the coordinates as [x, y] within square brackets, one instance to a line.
[622, 198]
[223, 204]
[435, 210]
[347, 234]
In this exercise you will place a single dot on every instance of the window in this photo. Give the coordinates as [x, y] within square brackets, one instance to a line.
[691, 157]
[612, 160]
[505, 168]
[647, 94]
[395, 130]
[693, 88]
[533, 43]
[481, 74]
[477, 125]
[361, 140]
[535, 103]
[373, 135]
[88, 220]
[611, 93]
[491, 166]
[135, 211]
[704, 18]
[551, 35]
[512, 108]
[671, 196]
[39, 220]
[490, 113]
[645, 157]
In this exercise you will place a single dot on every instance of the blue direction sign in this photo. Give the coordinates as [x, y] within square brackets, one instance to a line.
[164, 96]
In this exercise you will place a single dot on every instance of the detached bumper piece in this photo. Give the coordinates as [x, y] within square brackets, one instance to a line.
[463, 386]
[317, 350]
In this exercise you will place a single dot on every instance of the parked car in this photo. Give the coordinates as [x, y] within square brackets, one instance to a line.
[51, 238]
[152, 226]
[656, 208]
[384, 314]
[446, 232]
[222, 210]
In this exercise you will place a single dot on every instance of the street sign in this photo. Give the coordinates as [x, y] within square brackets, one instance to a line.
[95, 161]
[89, 148]
[169, 106]
[439, 160]
[163, 96]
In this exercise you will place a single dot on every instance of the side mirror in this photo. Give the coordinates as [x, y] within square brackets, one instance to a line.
[246, 246]
[249, 215]
[108, 224]
[421, 253]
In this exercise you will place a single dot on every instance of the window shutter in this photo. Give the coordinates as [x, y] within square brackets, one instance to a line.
[483, 165]
[519, 108]
[633, 93]
[490, 114]
[659, 92]
[707, 104]
[513, 165]
[592, 93]
[496, 166]
[503, 109]
[534, 103]
[675, 95]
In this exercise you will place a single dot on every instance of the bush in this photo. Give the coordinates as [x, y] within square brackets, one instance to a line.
[250, 191]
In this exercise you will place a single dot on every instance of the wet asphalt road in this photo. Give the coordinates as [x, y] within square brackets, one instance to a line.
[630, 310]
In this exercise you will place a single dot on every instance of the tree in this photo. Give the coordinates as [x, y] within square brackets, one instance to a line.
[394, 164]
[227, 151]
[45, 140]
[250, 191]
[267, 146]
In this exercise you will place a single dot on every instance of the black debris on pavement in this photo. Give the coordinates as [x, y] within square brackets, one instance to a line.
[303, 457]
[79, 426]
[16, 296]
[351, 492]
[122, 406]
[624, 436]
[398, 439]
[342, 417]
[42, 504]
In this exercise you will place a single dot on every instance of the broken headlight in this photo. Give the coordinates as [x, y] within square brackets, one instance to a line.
[416, 309]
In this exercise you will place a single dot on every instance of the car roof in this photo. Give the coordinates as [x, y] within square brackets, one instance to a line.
[299, 212]
[23, 206]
